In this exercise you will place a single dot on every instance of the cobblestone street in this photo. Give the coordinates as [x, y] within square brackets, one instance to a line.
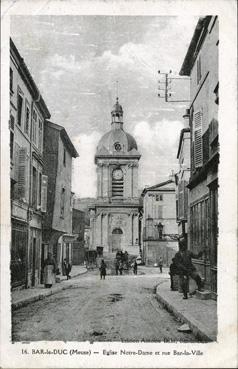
[120, 308]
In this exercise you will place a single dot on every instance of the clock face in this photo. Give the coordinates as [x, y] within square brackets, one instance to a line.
[117, 174]
[117, 146]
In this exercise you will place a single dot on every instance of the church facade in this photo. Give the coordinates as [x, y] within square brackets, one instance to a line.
[114, 217]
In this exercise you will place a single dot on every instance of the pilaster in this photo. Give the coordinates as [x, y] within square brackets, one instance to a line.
[135, 180]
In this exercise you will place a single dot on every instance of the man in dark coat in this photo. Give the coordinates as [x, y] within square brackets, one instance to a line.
[67, 268]
[120, 267]
[103, 269]
[161, 264]
[172, 271]
[135, 267]
[185, 268]
[116, 263]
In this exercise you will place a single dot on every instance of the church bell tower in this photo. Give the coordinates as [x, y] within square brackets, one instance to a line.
[114, 216]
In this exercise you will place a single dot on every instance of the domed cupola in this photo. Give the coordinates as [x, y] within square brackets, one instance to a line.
[117, 116]
[117, 141]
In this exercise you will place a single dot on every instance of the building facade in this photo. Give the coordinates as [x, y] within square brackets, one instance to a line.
[78, 230]
[201, 64]
[114, 219]
[28, 113]
[159, 227]
[58, 154]
[182, 179]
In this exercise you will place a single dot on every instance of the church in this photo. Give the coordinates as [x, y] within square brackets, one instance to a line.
[114, 217]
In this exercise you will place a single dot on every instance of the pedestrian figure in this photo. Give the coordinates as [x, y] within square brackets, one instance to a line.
[118, 255]
[172, 271]
[185, 267]
[120, 267]
[116, 266]
[126, 258]
[135, 267]
[49, 270]
[161, 264]
[67, 268]
[103, 269]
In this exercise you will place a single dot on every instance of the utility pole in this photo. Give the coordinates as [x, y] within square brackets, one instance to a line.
[164, 86]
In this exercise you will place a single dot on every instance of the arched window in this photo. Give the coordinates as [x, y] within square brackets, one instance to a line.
[117, 231]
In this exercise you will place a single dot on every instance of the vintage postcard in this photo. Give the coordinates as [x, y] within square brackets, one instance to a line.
[119, 184]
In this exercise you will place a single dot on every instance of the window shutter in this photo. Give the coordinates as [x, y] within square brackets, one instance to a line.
[181, 199]
[44, 186]
[205, 146]
[22, 160]
[185, 194]
[197, 139]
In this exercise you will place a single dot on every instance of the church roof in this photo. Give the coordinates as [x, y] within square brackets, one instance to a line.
[117, 142]
[108, 140]
[117, 108]
[164, 186]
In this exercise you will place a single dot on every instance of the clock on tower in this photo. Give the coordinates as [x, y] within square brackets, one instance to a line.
[117, 174]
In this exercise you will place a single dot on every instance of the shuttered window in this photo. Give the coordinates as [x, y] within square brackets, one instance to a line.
[34, 187]
[34, 122]
[40, 134]
[39, 189]
[197, 128]
[19, 109]
[62, 202]
[22, 163]
[27, 117]
[185, 200]
[44, 185]
[180, 200]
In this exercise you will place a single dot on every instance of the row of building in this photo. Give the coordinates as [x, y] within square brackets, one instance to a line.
[186, 205]
[198, 151]
[149, 224]
[196, 183]
[41, 152]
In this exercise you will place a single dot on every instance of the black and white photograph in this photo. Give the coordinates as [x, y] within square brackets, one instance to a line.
[115, 172]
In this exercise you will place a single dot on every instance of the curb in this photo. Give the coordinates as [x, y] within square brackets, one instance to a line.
[41, 296]
[199, 333]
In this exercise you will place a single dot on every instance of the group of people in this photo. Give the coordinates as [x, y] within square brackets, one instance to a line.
[183, 267]
[51, 270]
[121, 263]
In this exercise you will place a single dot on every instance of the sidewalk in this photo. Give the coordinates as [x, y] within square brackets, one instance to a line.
[200, 315]
[26, 296]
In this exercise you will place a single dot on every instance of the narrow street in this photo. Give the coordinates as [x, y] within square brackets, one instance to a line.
[120, 308]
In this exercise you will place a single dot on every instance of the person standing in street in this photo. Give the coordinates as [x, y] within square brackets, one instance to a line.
[103, 269]
[49, 270]
[135, 267]
[172, 273]
[67, 268]
[185, 267]
[161, 264]
[116, 265]
[120, 267]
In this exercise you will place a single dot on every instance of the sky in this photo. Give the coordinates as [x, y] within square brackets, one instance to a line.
[76, 61]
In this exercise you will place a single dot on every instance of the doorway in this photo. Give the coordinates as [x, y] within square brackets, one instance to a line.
[116, 239]
[33, 262]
